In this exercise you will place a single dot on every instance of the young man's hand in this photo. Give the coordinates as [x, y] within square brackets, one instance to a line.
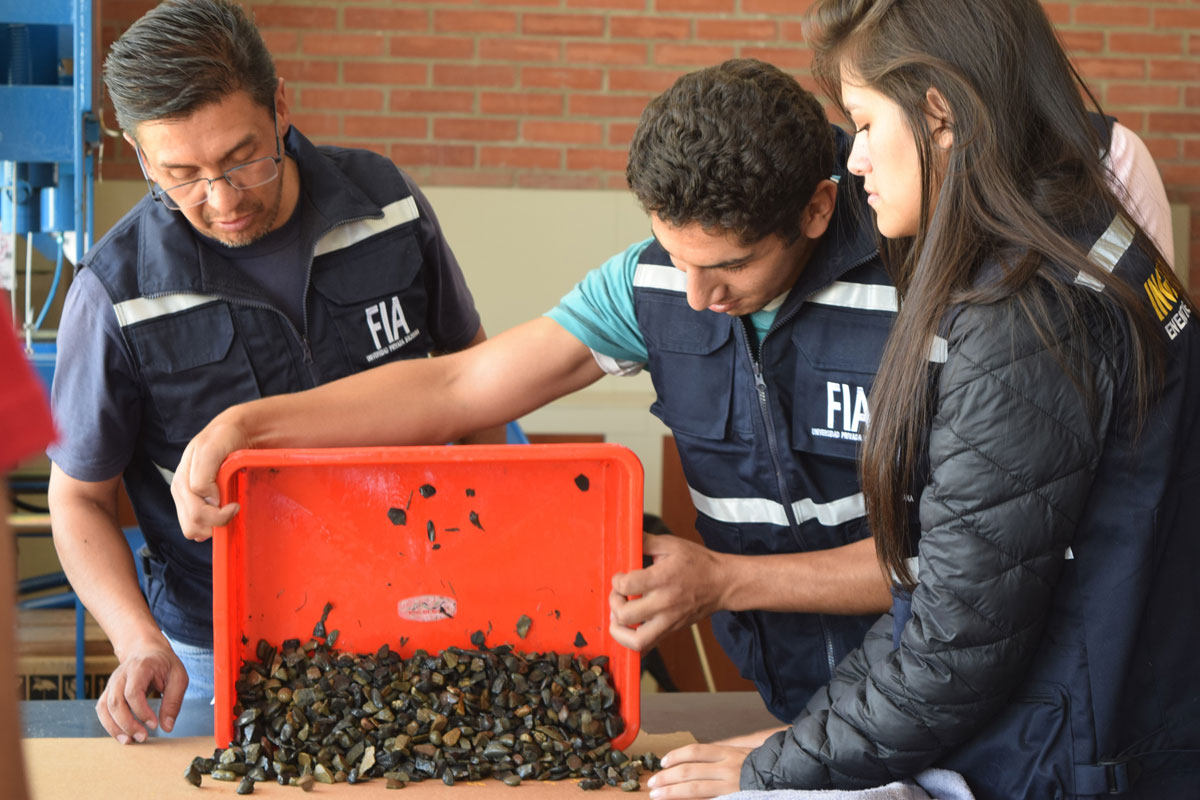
[682, 586]
[698, 771]
[123, 709]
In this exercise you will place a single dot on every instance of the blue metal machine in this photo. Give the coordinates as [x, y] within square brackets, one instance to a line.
[49, 135]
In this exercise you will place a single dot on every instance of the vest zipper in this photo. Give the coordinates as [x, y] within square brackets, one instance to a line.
[764, 408]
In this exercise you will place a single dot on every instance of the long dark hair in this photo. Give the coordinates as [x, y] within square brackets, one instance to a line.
[1022, 173]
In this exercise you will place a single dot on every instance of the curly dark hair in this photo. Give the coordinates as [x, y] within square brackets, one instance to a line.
[183, 55]
[738, 147]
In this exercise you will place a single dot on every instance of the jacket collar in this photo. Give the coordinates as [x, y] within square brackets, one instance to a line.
[170, 255]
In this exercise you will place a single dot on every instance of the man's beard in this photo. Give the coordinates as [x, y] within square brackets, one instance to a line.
[251, 235]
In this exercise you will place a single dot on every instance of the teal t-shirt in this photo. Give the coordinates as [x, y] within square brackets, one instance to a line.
[599, 312]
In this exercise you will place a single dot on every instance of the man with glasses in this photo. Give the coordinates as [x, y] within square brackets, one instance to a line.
[258, 264]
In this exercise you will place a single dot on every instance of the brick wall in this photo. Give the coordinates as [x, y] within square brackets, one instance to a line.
[546, 93]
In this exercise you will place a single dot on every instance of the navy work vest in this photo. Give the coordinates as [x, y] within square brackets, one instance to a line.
[769, 433]
[204, 337]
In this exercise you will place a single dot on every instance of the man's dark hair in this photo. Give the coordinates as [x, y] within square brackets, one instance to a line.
[739, 147]
[183, 55]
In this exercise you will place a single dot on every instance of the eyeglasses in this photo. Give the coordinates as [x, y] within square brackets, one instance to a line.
[190, 194]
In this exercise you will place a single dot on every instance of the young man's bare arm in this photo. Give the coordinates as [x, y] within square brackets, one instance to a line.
[422, 401]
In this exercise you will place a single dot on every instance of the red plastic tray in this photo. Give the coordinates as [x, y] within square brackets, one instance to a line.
[557, 522]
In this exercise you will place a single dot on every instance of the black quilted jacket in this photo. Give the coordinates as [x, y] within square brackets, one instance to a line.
[1021, 468]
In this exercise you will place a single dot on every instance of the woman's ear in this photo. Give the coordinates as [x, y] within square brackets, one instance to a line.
[941, 121]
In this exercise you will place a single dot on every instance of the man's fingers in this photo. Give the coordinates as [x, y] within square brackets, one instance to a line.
[633, 583]
[172, 700]
[138, 705]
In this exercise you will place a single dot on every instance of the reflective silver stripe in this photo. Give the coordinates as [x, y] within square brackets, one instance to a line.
[739, 509]
[656, 276]
[1069, 555]
[1108, 250]
[168, 475]
[939, 349]
[616, 366]
[141, 309]
[832, 513]
[867, 296]
[760, 510]
[352, 233]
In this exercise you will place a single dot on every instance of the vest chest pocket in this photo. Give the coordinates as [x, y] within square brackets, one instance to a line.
[373, 297]
[839, 356]
[193, 367]
[691, 364]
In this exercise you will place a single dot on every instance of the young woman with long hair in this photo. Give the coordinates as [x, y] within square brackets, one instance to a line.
[1032, 466]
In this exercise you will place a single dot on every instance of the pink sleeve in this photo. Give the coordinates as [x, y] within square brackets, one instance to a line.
[25, 426]
[1136, 181]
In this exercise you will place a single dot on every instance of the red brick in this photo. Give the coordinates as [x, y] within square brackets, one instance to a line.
[387, 72]
[1165, 149]
[541, 180]
[307, 70]
[566, 132]
[783, 7]
[378, 126]
[1172, 18]
[387, 19]
[787, 58]
[1191, 151]
[730, 30]
[1134, 120]
[1180, 70]
[323, 17]
[620, 134]
[692, 6]
[1058, 13]
[563, 24]
[126, 10]
[649, 28]
[520, 50]
[562, 78]
[1164, 43]
[344, 44]
[1082, 41]
[472, 75]
[428, 100]
[442, 155]
[281, 41]
[1121, 16]
[628, 5]
[600, 53]
[692, 54]
[1174, 123]
[616, 182]
[492, 178]
[1096, 68]
[601, 105]
[793, 32]
[642, 80]
[475, 130]
[1191, 98]
[1176, 174]
[529, 157]
[537, 3]
[474, 21]
[431, 47]
[317, 125]
[1141, 94]
[538, 105]
[346, 99]
[582, 159]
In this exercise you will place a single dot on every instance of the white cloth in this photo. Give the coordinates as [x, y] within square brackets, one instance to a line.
[931, 784]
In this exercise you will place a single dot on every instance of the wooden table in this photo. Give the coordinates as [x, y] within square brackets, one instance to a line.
[69, 757]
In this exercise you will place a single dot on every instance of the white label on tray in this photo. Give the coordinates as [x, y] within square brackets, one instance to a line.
[427, 608]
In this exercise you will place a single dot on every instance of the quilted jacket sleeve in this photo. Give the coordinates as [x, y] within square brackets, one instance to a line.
[1013, 449]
